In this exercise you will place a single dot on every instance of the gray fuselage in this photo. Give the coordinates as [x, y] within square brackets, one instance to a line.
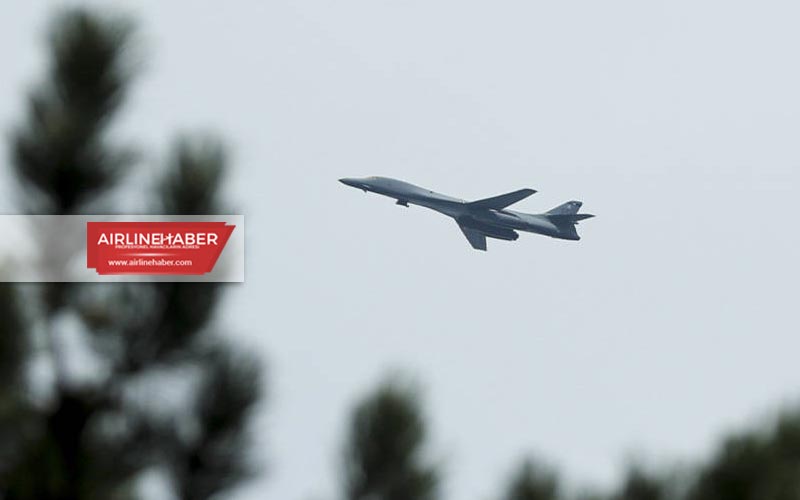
[495, 223]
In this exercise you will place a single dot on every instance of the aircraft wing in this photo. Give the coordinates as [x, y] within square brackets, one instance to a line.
[476, 238]
[502, 201]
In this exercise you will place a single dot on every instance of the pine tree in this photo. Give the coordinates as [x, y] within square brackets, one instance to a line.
[384, 455]
[761, 464]
[533, 481]
[168, 396]
[643, 485]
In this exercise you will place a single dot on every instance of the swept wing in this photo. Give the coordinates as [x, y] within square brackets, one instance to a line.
[502, 201]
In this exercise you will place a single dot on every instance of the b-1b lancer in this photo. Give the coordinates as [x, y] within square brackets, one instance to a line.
[481, 218]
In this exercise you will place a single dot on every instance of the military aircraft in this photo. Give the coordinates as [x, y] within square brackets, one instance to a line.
[481, 218]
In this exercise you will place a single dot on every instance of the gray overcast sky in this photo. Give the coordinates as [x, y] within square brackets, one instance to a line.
[676, 122]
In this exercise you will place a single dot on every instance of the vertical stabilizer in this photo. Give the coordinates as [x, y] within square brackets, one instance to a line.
[568, 208]
[565, 216]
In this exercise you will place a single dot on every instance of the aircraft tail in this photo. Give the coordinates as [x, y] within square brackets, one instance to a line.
[565, 217]
[568, 208]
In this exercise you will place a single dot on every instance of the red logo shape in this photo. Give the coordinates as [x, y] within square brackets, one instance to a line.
[184, 248]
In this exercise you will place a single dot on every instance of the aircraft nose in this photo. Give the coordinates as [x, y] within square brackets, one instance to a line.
[347, 181]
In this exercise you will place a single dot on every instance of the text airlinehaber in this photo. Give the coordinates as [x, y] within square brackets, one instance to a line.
[187, 238]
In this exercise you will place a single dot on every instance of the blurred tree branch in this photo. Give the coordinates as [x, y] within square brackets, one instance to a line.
[384, 452]
[94, 438]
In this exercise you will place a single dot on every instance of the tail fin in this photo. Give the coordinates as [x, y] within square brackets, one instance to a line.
[565, 217]
[568, 208]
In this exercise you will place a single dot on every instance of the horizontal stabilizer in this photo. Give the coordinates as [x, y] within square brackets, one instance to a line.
[568, 218]
[502, 201]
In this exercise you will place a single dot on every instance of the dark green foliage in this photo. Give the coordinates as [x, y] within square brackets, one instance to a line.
[640, 485]
[384, 460]
[13, 341]
[14, 346]
[763, 464]
[533, 481]
[197, 169]
[61, 153]
[757, 465]
[214, 458]
[92, 438]
[384, 452]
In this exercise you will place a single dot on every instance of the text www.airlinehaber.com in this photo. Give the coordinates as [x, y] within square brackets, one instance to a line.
[149, 262]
